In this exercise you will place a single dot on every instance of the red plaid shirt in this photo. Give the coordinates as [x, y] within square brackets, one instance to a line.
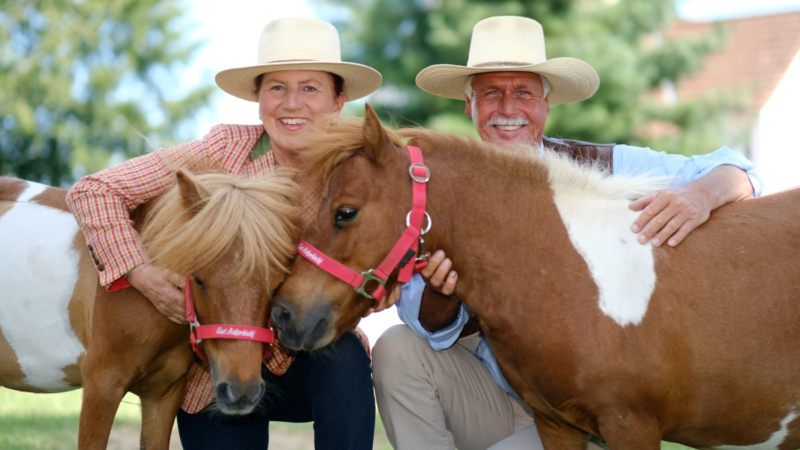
[102, 204]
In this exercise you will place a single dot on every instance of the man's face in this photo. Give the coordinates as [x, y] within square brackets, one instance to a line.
[508, 107]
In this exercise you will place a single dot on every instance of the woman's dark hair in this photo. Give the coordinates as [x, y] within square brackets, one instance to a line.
[338, 84]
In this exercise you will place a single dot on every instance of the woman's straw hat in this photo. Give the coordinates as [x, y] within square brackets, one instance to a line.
[512, 44]
[300, 44]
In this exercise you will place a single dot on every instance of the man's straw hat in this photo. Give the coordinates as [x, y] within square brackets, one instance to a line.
[300, 44]
[512, 44]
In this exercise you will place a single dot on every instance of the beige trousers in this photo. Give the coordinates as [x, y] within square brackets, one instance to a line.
[444, 400]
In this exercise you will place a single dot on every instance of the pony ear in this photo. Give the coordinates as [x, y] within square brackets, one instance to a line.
[374, 133]
[190, 193]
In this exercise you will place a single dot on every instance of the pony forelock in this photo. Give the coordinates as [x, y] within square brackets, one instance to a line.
[257, 217]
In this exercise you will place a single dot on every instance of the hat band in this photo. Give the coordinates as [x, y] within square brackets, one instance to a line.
[501, 64]
[291, 60]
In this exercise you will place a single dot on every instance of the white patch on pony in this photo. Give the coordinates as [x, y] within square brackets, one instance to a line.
[772, 443]
[31, 191]
[38, 271]
[595, 211]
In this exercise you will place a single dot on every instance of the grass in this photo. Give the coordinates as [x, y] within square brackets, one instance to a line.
[50, 422]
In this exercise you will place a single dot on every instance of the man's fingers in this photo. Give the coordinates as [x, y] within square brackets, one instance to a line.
[640, 203]
[450, 283]
[433, 264]
[684, 231]
[656, 224]
[669, 229]
[652, 209]
[439, 277]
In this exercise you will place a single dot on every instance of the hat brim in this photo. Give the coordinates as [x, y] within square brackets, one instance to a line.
[571, 79]
[359, 80]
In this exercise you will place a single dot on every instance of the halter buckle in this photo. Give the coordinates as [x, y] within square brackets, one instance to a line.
[193, 331]
[369, 276]
[418, 179]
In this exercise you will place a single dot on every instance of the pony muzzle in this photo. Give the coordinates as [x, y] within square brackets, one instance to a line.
[306, 330]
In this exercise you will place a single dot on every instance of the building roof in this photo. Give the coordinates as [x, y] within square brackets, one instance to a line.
[756, 53]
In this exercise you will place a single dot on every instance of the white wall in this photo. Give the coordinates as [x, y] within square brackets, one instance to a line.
[776, 140]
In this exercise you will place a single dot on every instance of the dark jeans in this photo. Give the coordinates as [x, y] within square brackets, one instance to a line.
[331, 387]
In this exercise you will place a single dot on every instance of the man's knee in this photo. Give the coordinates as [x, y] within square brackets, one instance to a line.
[396, 353]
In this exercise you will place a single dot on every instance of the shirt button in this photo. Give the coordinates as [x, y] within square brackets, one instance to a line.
[100, 267]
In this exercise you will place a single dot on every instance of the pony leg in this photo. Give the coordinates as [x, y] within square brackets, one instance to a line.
[158, 416]
[556, 435]
[101, 398]
[626, 431]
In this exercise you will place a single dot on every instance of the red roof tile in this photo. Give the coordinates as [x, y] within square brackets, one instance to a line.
[755, 54]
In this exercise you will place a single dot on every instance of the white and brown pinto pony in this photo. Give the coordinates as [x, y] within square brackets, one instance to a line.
[698, 344]
[60, 330]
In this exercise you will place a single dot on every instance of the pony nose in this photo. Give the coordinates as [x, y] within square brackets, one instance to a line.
[235, 392]
[282, 316]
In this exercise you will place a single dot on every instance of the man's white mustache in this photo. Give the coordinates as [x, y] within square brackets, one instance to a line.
[507, 121]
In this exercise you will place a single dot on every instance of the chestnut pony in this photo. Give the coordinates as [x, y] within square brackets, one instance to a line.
[60, 330]
[599, 335]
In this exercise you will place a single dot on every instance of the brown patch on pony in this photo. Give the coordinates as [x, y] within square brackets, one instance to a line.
[10, 188]
[11, 374]
[72, 373]
[81, 306]
[5, 206]
[52, 197]
[260, 215]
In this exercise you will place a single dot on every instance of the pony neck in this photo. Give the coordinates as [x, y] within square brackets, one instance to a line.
[482, 205]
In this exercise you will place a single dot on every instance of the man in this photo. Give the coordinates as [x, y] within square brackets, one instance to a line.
[437, 381]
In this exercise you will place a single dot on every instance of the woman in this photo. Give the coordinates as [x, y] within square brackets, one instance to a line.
[299, 82]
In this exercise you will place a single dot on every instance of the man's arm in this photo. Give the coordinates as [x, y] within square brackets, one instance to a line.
[703, 184]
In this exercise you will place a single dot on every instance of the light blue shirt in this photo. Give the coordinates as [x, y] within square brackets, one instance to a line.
[628, 161]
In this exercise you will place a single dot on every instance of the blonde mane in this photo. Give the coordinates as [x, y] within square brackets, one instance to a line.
[258, 215]
[555, 170]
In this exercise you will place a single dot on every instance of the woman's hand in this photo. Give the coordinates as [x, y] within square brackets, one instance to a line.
[164, 289]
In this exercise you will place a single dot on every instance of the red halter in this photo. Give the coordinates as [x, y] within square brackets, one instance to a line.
[222, 331]
[406, 248]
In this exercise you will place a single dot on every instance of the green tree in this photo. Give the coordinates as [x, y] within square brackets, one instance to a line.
[622, 39]
[85, 79]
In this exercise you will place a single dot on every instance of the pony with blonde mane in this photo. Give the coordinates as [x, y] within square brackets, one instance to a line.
[60, 330]
[599, 335]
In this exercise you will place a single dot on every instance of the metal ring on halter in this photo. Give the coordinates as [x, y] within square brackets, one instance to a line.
[419, 179]
[428, 225]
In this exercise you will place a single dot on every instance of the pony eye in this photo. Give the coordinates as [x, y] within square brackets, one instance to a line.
[345, 214]
[199, 281]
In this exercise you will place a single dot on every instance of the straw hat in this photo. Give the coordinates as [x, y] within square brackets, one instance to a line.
[300, 44]
[512, 44]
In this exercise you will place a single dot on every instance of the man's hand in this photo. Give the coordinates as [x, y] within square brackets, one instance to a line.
[164, 289]
[669, 215]
[438, 276]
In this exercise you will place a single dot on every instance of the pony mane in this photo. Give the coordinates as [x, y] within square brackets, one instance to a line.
[330, 147]
[556, 170]
[259, 215]
[550, 168]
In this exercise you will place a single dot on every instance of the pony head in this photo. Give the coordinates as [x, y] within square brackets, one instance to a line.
[234, 239]
[358, 166]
